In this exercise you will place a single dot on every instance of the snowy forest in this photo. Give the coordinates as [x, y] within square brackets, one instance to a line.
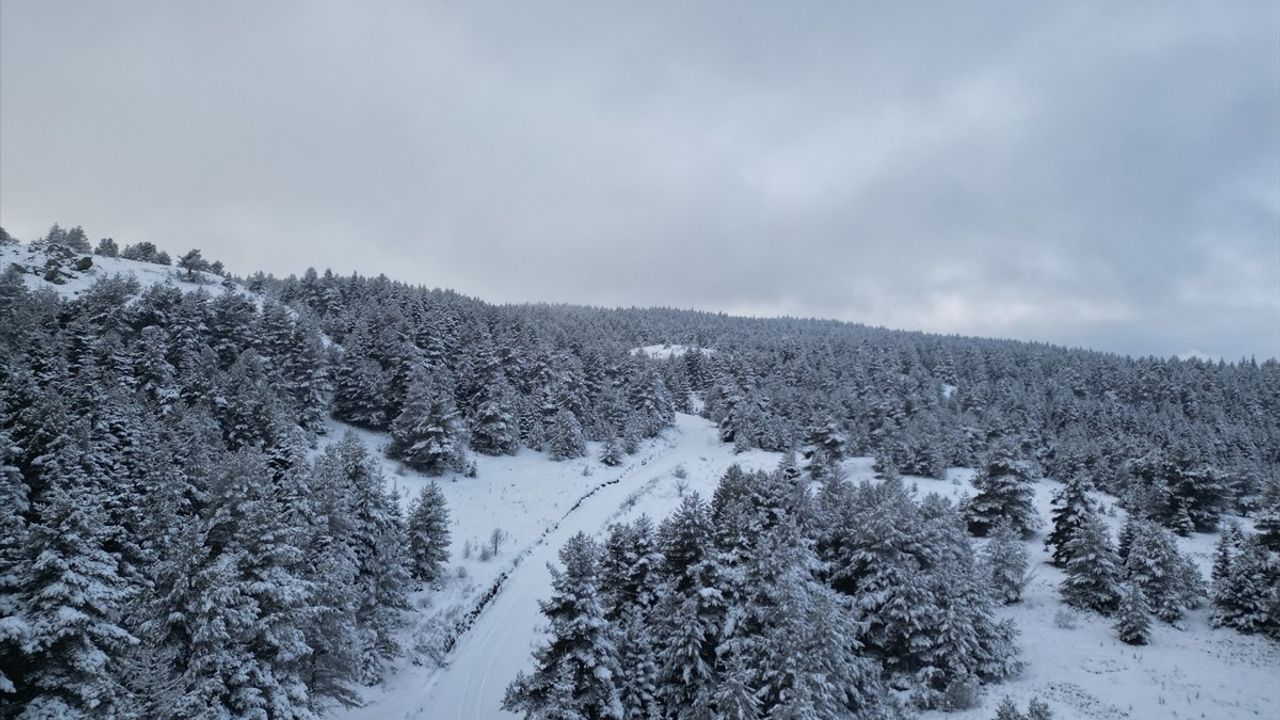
[191, 526]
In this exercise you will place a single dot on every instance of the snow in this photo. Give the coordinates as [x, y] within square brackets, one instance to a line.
[146, 274]
[1085, 672]
[948, 390]
[663, 352]
[525, 494]
[1082, 672]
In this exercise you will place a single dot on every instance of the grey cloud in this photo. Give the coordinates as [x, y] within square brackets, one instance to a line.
[1089, 174]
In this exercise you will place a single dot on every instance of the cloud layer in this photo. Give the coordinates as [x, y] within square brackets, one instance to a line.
[1088, 174]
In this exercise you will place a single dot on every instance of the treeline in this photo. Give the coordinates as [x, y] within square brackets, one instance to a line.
[1171, 438]
[171, 542]
[169, 548]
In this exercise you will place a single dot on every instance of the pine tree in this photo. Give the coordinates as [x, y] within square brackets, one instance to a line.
[360, 386]
[378, 538]
[564, 437]
[14, 540]
[577, 669]
[829, 445]
[692, 610]
[1006, 558]
[1224, 551]
[1267, 520]
[495, 429]
[1170, 581]
[428, 534]
[428, 434]
[1247, 597]
[1005, 490]
[1133, 619]
[1092, 575]
[1071, 508]
[612, 453]
[70, 593]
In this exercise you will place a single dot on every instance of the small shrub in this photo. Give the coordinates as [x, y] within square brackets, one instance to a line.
[466, 550]
[682, 486]
[462, 572]
[485, 554]
[680, 472]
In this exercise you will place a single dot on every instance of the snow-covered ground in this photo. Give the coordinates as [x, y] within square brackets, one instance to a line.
[1084, 672]
[529, 492]
[662, 352]
[74, 282]
[1081, 671]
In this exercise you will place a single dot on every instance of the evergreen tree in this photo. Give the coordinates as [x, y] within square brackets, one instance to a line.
[428, 434]
[1005, 491]
[1071, 509]
[70, 593]
[1092, 575]
[1247, 598]
[1006, 558]
[14, 542]
[564, 437]
[495, 429]
[829, 444]
[106, 248]
[1133, 619]
[612, 453]
[1267, 520]
[1170, 581]
[577, 669]
[428, 534]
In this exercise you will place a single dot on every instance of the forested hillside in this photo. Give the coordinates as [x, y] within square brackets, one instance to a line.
[175, 543]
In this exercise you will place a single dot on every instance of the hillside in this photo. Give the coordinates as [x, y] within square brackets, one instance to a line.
[169, 436]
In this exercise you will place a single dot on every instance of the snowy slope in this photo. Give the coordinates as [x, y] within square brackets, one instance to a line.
[74, 282]
[1086, 673]
[488, 657]
[1082, 672]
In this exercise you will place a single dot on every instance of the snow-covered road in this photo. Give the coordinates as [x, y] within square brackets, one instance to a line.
[488, 657]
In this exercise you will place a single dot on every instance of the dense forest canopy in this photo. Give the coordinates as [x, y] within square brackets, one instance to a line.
[173, 540]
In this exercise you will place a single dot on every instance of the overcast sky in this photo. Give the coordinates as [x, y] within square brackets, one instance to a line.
[1104, 174]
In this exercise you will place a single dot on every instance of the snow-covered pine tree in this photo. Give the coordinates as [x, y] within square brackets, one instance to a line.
[612, 454]
[495, 428]
[1005, 557]
[1093, 573]
[691, 611]
[1167, 578]
[1071, 508]
[1224, 552]
[1248, 596]
[577, 668]
[14, 504]
[1133, 619]
[428, 434]
[1267, 520]
[564, 437]
[828, 445]
[629, 583]
[428, 534]
[359, 384]
[1005, 490]
[378, 537]
[70, 594]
